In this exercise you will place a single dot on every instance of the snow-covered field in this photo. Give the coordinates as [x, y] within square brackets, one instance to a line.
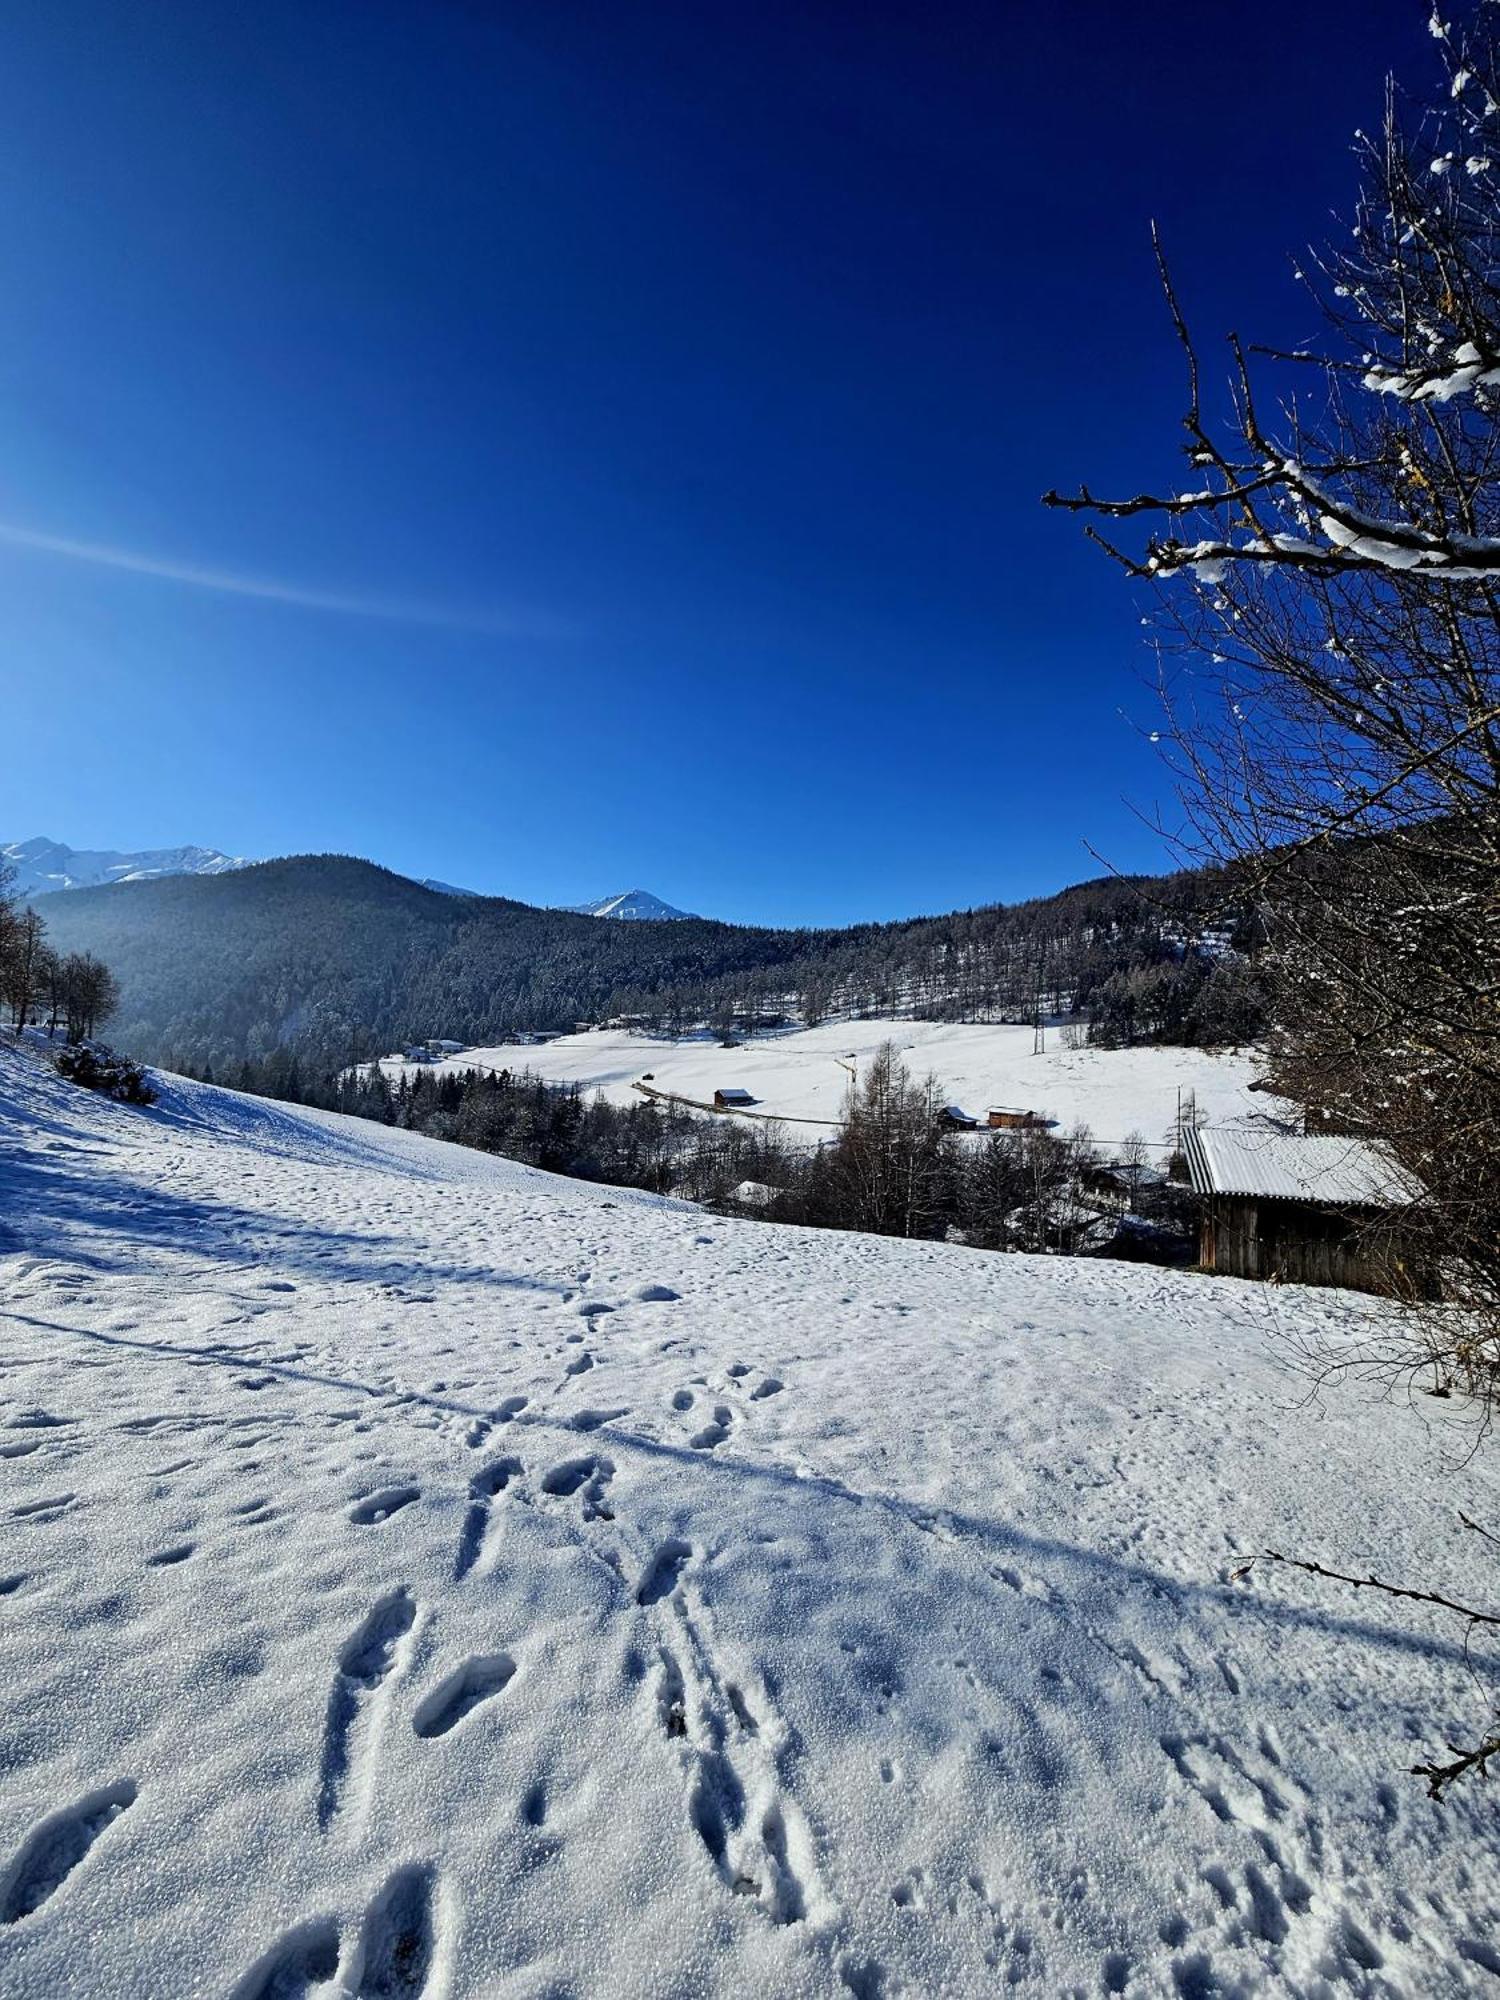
[426, 1577]
[798, 1075]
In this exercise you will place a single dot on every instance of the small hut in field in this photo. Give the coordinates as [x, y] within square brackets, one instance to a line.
[1312, 1210]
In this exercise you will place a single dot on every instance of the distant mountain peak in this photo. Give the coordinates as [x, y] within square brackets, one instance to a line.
[633, 906]
[43, 865]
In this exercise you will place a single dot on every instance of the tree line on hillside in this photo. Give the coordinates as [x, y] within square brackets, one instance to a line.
[891, 1170]
[338, 960]
[72, 992]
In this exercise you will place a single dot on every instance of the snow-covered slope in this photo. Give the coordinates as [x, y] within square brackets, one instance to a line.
[42, 865]
[638, 905]
[426, 1577]
[803, 1076]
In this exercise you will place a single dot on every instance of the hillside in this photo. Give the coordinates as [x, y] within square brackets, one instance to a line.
[435, 1578]
[335, 956]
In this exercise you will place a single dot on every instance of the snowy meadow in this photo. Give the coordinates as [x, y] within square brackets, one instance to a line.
[423, 1576]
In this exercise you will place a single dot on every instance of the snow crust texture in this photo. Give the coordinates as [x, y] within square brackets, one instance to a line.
[423, 1577]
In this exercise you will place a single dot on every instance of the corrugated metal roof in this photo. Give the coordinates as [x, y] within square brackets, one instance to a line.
[1280, 1166]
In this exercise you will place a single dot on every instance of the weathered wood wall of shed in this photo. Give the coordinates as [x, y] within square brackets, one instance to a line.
[1242, 1237]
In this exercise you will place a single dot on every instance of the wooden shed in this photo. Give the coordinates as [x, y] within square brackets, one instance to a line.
[953, 1118]
[732, 1100]
[1007, 1118]
[1304, 1210]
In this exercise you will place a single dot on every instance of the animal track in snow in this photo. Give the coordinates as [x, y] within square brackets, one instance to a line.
[593, 1420]
[587, 1477]
[661, 1577]
[483, 1487]
[771, 1386]
[164, 1558]
[510, 1408]
[713, 1435]
[398, 1941]
[305, 1958]
[381, 1505]
[580, 1364]
[365, 1661]
[44, 1510]
[754, 1835]
[477, 1680]
[53, 1849]
[683, 1399]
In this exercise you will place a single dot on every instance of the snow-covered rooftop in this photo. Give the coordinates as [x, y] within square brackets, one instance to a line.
[1280, 1166]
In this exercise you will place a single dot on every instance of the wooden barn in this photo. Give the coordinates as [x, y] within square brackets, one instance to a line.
[1006, 1118]
[732, 1100]
[1303, 1210]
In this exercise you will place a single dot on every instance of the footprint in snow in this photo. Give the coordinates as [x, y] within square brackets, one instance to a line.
[477, 1680]
[398, 1944]
[483, 1487]
[380, 1506]
[304, 1959]
[655, 1295]
[660, 1579]
[713, 1435]
[772, 1386]
[364, 1663]
[164, 1558]
[55, 1847]
[587, 1477]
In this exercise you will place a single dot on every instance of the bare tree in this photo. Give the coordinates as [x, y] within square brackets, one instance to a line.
[23, 966]
[1328, 619]
[887, 1170]
[90, 994]
[1329, 625]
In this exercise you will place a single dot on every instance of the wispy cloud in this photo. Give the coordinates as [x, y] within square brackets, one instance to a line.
[491, 621]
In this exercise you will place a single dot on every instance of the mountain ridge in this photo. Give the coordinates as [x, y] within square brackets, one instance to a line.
[336, 959]
[45, 866]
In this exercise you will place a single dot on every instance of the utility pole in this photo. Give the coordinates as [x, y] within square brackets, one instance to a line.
[1039, 1031]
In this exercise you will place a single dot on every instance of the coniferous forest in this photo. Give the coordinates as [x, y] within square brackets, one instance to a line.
[334, 959]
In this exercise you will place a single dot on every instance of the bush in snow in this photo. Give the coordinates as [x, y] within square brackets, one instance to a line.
[101, 1069]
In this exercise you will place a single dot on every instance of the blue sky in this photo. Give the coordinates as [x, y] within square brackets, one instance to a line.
[558, 448]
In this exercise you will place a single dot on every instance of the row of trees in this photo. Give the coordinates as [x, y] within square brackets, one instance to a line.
[69, 991]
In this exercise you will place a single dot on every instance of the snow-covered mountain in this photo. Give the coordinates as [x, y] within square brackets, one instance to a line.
[42, 865]
[427, 1577]
[638, 905]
